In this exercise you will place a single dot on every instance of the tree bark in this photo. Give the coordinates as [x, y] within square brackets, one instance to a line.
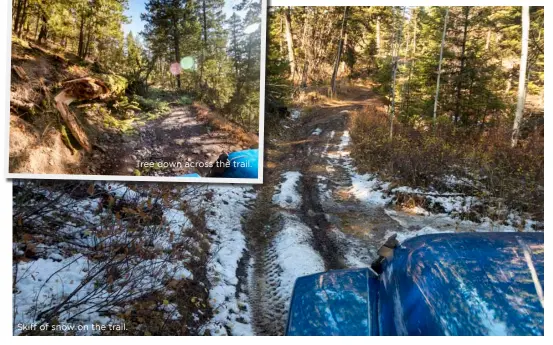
[17, 16]
[466, 11]
[339, 54]
[204, 46]
[378, 36]
[434, 116]
[176, 45]
[290, 42]
[81, 37]
[521, 98]
[87, 45]
[22, 18]
[43, 30]
[395, 61]
[415, 34]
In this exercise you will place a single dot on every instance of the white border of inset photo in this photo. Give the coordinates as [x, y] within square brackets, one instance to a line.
[261, 137]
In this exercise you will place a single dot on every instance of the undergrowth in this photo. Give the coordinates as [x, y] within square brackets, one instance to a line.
[475, 161]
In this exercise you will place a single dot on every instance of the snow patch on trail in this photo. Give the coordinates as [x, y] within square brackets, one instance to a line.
[35, 289]
[327, 145]
[287, 196]
[452, 205]
[296, 255]
[231, 313]
[177, 220]
[289, 255]
[367, 188]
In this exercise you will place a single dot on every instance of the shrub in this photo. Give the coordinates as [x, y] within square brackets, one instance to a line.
[420, 158]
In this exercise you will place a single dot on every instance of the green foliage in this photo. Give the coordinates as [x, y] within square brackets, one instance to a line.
[185, 100]
[152, 104]
[118, 122]
[226, 58]
[66, 141]
[116, 83]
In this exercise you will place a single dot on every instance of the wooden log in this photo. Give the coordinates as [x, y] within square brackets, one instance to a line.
[25, 106]
[62, 104]
[86, 88]
[20, 72]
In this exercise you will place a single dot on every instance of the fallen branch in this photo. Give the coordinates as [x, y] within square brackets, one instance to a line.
[20, 72]
[26, 106]
[429, 194]
[79, 89]
[86, 88]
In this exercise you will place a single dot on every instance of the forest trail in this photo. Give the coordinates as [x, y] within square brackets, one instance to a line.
[177, 141]
[322, 214]
[315, 217]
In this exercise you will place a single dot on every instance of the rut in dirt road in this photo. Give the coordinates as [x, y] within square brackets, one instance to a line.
[320, 214]
[302, 234]
[177, 140]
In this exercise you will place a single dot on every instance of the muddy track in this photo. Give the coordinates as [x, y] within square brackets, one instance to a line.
[342, 231]
[314, 216]
[175, 138]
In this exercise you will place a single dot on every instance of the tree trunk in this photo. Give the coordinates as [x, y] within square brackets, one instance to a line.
[87, 45]
[411, 62]
[339, 54]
[395, 60]
[17, 18]
[43, 30]
[177, 56]
[22, 18]
[488, 37]
[521, 98]
[462, 68]
[204, 46]
[415, 34]
[280, 45]
[36, 27]
[81, 38]
[434, 116]
[290, 41]
[378, 36]
[304, 74]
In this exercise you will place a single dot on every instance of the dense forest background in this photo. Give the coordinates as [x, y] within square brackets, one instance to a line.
[191, 47]
[462, 89]
[479, 69]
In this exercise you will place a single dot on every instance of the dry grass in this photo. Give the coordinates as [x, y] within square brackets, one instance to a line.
[418, 158]
[217, 122]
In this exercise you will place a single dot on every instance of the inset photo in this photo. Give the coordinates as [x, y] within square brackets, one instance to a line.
[142, 90]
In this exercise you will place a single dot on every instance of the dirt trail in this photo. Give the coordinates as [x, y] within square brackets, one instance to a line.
[177, 140]
[304, 149]
[343, 218]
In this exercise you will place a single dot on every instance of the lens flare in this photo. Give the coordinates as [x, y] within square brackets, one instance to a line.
[175, 68]
[187, 62]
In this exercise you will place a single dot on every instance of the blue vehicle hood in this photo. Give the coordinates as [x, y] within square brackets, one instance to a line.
[442, 284]
[326, 304]
[464, 284]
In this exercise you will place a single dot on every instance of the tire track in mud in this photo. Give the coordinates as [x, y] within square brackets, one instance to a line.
[344, 217]
[273, 280]
[327, 202]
